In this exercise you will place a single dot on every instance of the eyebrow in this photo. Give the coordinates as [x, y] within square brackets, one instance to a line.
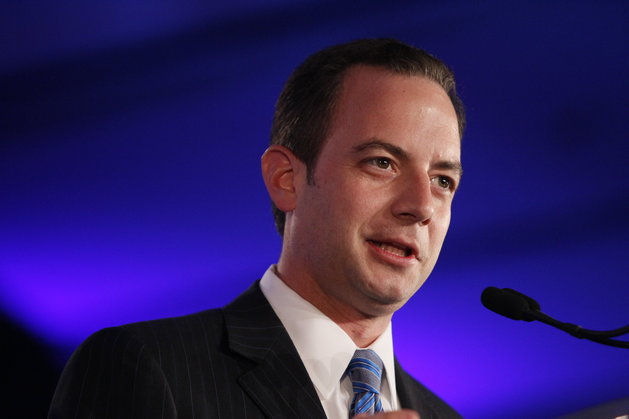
[403, 155]
[379, 144]
[449, 165]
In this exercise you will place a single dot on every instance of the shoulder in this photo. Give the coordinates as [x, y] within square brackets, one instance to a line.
[173, 340]
[152, 345]
[172, 331]
[132, 366]
[152, 334]
[415, 395]
[119, 345]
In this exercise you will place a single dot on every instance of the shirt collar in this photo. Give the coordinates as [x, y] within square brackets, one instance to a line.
[324, 348]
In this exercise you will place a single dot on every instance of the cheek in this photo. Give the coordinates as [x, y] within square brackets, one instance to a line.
[349, 199]
[368, 199]
[440, 226]
[347, 205]
[360, 211]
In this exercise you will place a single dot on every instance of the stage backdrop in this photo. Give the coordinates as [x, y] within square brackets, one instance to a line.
[130, 188]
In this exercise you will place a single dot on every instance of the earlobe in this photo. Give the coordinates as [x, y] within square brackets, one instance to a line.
[280, 169]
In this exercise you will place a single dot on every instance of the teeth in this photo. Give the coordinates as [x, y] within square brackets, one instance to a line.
[394, 249]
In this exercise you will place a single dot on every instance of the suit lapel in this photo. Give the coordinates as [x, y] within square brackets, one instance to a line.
[413, 395]
[276, 380]
[404, 387]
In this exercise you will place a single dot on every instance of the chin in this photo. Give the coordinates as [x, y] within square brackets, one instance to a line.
[378, 307]
[390, 299]
[399, 288]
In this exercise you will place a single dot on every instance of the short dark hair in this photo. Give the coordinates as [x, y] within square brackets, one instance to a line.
[304, 109]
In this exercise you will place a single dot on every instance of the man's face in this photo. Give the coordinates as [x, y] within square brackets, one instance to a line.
[369, 230]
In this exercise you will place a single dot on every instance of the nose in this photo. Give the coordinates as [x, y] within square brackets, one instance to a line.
[413, 201]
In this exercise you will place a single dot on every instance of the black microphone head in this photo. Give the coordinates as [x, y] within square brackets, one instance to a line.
[508, 303]
[533, 305]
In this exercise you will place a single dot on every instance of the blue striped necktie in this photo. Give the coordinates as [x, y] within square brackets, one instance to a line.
[365, 371]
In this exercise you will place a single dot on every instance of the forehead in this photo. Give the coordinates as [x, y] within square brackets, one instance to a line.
[363, 84]
[411, 110]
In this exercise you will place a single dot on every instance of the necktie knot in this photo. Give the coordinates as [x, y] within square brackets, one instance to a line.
[365, 371]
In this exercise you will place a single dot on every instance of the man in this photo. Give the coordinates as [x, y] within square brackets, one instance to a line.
[362, 170]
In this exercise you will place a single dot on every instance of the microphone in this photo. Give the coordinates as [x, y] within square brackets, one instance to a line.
[517, 306]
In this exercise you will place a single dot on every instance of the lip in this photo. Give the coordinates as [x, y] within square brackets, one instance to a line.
[392, 257]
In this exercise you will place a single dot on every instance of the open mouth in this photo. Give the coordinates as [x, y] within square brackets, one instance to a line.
[393, 248]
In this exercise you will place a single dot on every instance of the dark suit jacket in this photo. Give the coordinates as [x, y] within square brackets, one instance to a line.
[235, 362]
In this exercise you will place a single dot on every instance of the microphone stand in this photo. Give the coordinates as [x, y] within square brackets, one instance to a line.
[577, 331]
[510, 303]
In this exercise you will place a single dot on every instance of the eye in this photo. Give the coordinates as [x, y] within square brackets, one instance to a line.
[381, 163]
[443, 182]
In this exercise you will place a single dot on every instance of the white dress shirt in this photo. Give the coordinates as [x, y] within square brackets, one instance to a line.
[325, 348]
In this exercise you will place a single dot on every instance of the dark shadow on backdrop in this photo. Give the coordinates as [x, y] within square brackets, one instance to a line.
[29, 373]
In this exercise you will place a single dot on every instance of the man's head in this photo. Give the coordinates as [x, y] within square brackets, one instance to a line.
[305, 109]
[366, 215]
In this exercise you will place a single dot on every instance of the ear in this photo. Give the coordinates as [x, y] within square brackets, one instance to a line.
[282, 173]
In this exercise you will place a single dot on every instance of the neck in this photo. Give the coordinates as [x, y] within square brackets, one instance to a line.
[362, 328]
[364, 333]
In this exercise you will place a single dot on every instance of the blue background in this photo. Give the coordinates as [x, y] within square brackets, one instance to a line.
[131, 134]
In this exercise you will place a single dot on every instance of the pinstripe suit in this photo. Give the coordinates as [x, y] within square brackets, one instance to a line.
[235, 362]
